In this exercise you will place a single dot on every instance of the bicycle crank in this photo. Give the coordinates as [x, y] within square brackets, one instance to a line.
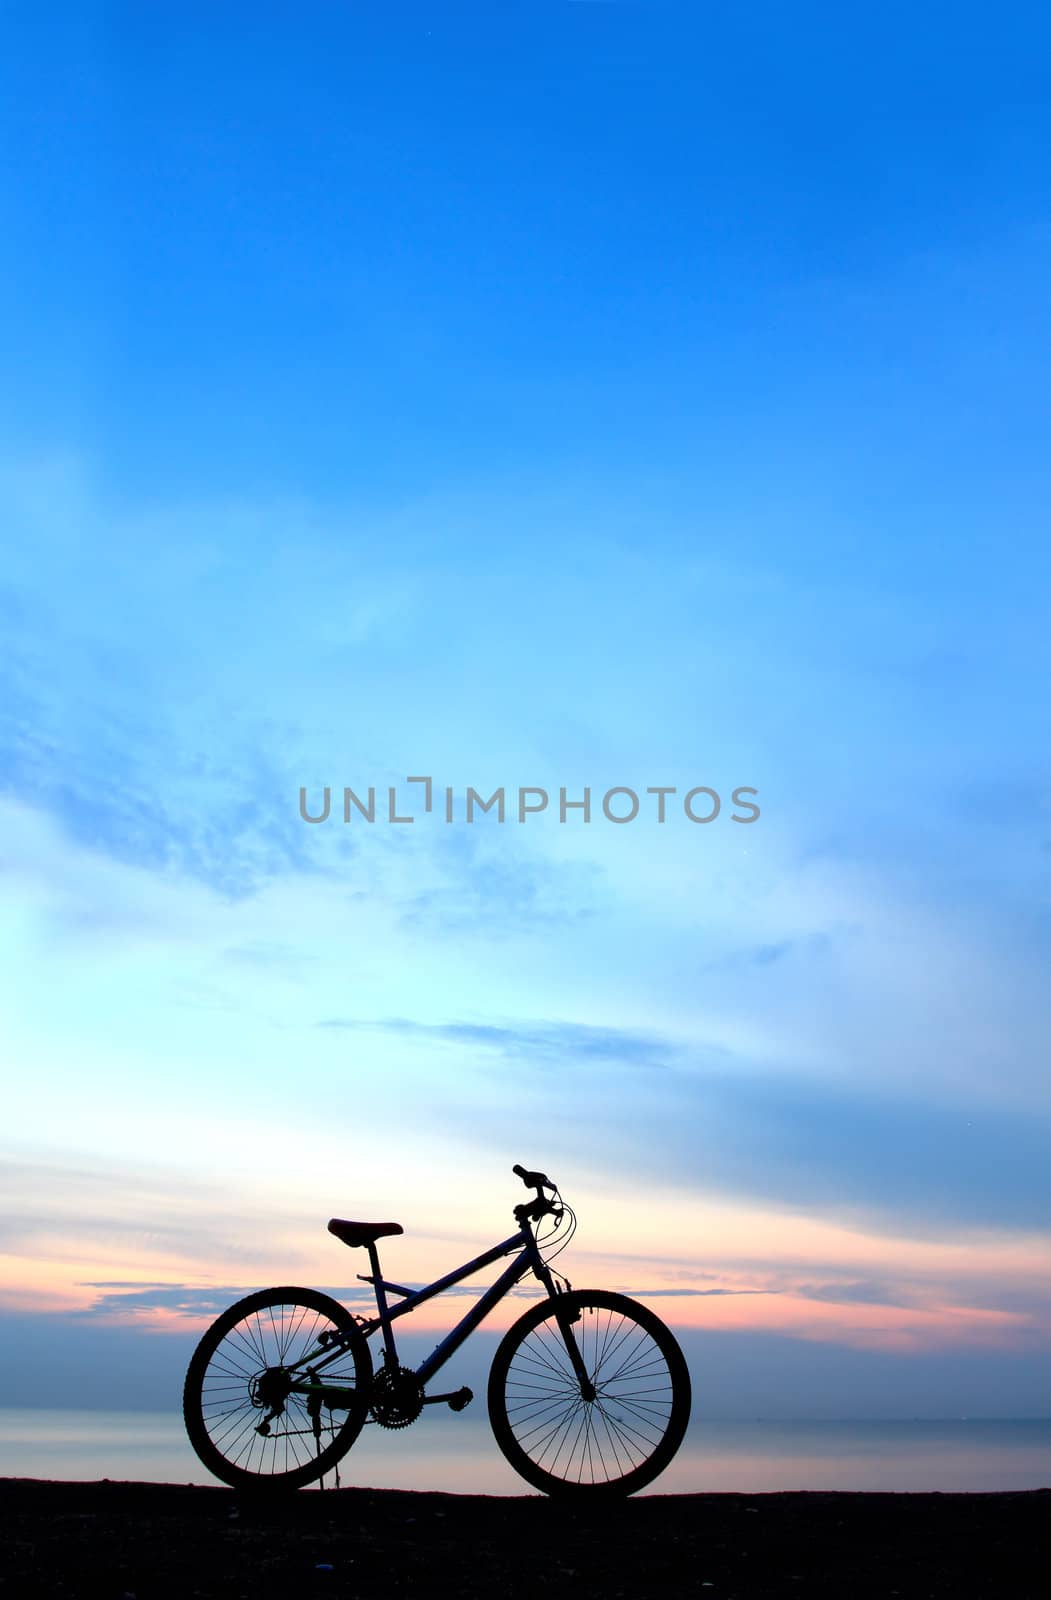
[455, 1401]
[396, 1397]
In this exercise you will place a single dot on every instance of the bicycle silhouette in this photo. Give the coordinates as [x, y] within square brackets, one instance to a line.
[588, 1394]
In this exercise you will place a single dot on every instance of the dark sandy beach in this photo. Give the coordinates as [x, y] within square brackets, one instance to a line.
[120, 1540]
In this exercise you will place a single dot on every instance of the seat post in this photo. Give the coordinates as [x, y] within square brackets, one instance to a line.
[381, 1306]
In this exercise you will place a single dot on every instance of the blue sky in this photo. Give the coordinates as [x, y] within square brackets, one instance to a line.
[569, 394]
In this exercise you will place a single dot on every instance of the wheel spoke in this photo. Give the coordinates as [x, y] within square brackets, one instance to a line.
[633, 1424]
[239, 1379]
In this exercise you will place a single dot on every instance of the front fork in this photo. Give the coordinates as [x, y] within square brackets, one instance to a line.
[565, 1322]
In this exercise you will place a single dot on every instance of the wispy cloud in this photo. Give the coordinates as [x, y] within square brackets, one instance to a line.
[193, 1302]
[564, 1043]
[894, 1158]
[858, 1293]
[683, 1293]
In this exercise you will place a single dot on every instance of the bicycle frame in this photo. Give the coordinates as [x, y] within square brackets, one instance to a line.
[527, 1259]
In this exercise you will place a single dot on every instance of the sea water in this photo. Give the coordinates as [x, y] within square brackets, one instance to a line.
[458, 1454]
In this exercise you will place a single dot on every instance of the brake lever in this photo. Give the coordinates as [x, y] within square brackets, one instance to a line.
[537, 1209]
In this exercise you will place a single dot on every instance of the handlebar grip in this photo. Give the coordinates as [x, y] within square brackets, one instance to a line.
[533, 1180]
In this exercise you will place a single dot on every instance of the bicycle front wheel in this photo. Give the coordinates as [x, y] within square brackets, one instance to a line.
[559, 1438]
[246, 1421]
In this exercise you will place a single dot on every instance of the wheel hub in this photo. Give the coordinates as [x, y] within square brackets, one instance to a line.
[270, 1389]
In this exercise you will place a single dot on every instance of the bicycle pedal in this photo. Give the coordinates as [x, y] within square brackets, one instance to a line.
[461, 1398]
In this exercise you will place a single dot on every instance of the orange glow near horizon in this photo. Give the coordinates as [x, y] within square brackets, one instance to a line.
[702, 1261]
[770, 1289]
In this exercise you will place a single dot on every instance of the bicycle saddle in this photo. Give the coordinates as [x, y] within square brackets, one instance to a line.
[355, 1233]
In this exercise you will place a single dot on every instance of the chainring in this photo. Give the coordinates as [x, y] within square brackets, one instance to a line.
[396, 1397]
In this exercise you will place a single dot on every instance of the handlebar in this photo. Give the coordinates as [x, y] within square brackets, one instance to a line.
[534, 1210]
[534, 1180]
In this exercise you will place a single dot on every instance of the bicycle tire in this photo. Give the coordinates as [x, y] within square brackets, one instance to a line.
[565, 1445]
[222, 1414]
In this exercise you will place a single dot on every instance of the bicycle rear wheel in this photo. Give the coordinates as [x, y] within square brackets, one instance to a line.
[562, 1442]
[244, 1421]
